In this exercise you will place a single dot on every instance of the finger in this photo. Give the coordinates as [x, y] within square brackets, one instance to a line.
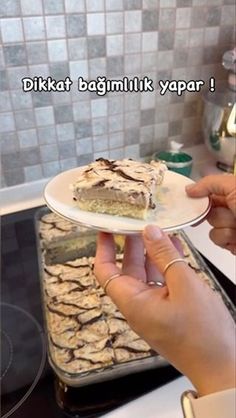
[161, 251]
[223, 237]
[133, 261]
[128, 293]
[132, 296]
[178, 245]
[218, 201]
[105, 260]
[221, 218]
[231, 248]
[153, 274]
[218, 185]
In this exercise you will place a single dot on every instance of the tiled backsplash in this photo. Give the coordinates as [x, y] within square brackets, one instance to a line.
[42, 133]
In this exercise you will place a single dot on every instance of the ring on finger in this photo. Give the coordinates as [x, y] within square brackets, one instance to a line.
[176, 260]
[157, 283]
[109, 280]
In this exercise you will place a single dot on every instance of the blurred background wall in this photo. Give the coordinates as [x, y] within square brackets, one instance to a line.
[42, 134]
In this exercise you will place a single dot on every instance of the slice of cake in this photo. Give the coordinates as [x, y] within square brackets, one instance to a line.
[121, 187]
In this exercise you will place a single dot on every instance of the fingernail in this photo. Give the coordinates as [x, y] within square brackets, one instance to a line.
[152, 232]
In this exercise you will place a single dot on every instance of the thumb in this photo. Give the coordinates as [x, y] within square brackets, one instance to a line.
[219, 185]
[161, 251]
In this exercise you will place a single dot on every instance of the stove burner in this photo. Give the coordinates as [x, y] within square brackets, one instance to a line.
[7, 354]
[23, 353]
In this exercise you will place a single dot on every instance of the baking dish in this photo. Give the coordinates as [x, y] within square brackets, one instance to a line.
[89, 341]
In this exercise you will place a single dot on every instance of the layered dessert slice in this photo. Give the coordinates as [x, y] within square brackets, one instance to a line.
[121, 187]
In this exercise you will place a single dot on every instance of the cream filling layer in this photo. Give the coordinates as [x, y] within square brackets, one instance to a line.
[122, 180]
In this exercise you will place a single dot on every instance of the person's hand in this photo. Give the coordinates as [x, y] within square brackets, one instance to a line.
[185, 321]
[222, 189]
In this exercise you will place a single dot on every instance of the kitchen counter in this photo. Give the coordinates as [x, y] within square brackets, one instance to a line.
[163, 402]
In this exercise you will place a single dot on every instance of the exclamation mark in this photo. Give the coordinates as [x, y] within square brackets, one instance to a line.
[212, 82]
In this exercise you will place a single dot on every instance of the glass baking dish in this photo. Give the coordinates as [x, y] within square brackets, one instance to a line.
[88, 339]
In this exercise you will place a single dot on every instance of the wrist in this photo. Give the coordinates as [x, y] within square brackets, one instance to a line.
[216, 382]
[214, 405]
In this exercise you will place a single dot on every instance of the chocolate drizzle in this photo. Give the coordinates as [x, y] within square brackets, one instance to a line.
[126, 176]
[101, 183]
[73, 305]
[112, 166]
[131, 349]
[109, 163]
[76, 267]
[57, 312]
[196, 269]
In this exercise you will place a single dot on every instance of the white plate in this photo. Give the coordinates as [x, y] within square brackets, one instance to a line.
[175, 210]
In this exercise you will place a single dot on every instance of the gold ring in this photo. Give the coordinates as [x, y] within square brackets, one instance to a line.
[108, 281]
[176, 260]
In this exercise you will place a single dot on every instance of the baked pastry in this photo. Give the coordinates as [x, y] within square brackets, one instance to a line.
[62, 240]
[86, 331]
[118, 187]
[53, 228]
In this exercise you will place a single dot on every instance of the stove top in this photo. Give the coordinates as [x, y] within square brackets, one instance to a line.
[29, 387]
[49, 400]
